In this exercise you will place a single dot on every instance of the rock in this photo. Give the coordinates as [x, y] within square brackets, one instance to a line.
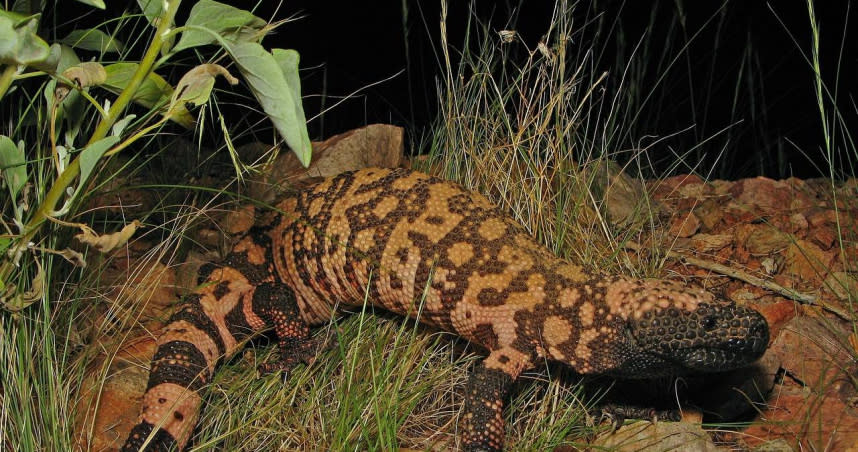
[766, 197]
[625, 198]
[645, 436]
[813, 408]
[684, 225]
[842, 285]
[764, 240]
[798, 224]
[806, 260]
[108, 400]
[707, 243]
[776, 445]
[710, 212]
[777, 315]
[374, 145]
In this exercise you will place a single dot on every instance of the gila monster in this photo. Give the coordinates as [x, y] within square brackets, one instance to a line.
[395, 233]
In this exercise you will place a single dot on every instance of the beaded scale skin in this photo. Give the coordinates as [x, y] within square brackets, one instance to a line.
[397, 233]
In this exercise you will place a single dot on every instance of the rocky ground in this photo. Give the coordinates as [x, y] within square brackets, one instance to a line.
[788, 248]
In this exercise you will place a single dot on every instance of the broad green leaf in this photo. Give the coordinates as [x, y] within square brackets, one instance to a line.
[72, 106]
[51, 62]
[120, 125]
[8, 38]
[93, 39]
[68, 58]
[17, 17]
[24, 6]
[288, 61]
[151, 9]
[268, 83]
[153, 92]
[196, 86]
[19, 43]
[234, 24]
[96, 3]
[89, 157]
[13, 164]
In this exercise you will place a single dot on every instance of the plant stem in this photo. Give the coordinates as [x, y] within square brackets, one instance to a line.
[6, 79]
[64, 180]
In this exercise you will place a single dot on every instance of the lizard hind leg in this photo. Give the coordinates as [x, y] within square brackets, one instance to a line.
[275, 304]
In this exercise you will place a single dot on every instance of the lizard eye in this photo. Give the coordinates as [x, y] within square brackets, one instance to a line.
[709, 323]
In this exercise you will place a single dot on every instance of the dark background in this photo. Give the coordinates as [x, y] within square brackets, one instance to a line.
[346, 46]
[746, 70]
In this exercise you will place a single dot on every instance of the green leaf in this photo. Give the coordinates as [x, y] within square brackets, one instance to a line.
[17, 17]
[268, 82]
[19, 43]
[25, 6]
[5, 242]
[13, 165]
[153, 92]
[96, 3]
[93, 39]
[8, 38]
[236, 25]
[152, 9]
[287, 60]
[49, 64]
[72, 107]
[90, 156]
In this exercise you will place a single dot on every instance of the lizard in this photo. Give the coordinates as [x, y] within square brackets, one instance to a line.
[413, 243]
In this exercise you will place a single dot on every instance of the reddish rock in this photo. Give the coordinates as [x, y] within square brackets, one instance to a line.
[821, 217]
[108, 400]
[764, 240]
[710, 213]
[668, 188]
[767, 197]
[798, 224]
[812, 408]
[803, 194]
[842, 285]
[708, 243]
[684, 225]
[806, 260]
[824, 236]
[777, 315]
[760, 195]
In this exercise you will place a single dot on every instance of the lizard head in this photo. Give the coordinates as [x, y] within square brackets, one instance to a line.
[667, 329]
[712, 337]
[642, 328]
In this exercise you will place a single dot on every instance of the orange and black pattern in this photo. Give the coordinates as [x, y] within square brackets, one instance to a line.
[428, 249]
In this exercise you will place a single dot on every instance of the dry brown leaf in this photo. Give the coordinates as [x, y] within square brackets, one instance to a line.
[86, 74]
[73, 256]
[105, 243]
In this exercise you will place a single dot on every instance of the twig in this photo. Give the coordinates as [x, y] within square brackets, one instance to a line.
[803, 298]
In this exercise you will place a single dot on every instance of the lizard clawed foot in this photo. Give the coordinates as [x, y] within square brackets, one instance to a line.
[617, 414]
[297, 351]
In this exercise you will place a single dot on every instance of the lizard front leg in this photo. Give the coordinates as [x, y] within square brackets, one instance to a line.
[487, 389]
[275, 304]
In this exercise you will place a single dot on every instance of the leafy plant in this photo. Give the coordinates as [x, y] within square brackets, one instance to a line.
[272, 76]
[65, 121]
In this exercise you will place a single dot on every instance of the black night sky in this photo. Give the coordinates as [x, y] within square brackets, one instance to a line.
[349, 45]
[760, 46]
